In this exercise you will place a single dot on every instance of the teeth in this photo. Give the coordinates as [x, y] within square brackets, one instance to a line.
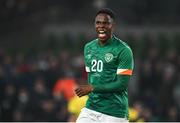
[101, 31]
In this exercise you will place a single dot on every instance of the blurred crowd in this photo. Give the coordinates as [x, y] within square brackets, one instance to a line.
[31, 86]
[39, 86]
[41, 66]
[156, 96]
[130, 12]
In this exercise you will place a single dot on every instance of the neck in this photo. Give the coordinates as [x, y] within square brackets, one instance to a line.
[103, 42]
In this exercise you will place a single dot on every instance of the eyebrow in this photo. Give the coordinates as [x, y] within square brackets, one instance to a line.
[107, 21]
[104, 22]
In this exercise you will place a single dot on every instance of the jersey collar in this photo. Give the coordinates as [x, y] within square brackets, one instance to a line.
[109, 41]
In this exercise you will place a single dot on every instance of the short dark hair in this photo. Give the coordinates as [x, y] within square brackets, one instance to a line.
[106, 11]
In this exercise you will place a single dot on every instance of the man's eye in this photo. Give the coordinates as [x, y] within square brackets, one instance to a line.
[98, 22]
[106, 23]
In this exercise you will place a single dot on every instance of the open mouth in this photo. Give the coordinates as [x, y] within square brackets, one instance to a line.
[102, 34]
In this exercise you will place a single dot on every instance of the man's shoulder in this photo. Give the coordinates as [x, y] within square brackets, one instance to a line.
[91, 43]
[121, 44]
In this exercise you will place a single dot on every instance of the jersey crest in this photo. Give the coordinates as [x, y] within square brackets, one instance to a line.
[108, 57]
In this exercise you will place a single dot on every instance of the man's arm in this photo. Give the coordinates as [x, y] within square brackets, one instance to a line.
[120, 84]
[83, 90]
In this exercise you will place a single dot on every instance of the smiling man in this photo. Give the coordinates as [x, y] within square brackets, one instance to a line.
[109, 63]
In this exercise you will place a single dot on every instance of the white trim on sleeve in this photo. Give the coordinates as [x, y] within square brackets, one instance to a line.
[87, 69]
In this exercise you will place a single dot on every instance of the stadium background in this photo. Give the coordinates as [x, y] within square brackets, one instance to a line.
[41, 56]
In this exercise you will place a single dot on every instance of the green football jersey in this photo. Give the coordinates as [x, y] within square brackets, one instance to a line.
[104, 65]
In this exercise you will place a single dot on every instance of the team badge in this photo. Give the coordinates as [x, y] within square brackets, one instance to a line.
[108, 57]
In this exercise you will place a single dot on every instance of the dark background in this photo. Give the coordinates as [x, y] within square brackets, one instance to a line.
[42, 40]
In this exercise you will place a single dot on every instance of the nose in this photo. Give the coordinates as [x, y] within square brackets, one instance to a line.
[101, 25]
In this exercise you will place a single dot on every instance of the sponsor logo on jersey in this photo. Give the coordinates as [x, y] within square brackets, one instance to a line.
[108, 57]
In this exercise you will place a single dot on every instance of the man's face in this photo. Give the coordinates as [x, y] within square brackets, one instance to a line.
[104, 26]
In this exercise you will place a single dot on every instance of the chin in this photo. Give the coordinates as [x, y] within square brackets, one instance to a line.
[103, 40]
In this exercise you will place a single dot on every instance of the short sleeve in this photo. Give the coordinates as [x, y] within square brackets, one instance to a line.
[126, 62]
[87, 68]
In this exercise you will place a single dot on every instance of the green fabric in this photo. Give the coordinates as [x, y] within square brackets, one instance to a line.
[126, 59]
[116, 86]
[110, 95]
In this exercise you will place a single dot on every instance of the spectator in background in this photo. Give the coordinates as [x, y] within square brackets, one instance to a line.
[172, 114]
[47, 110]
[22, 110]
[75, 105]
[40, 93]
[8, 102]
[65, 87]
